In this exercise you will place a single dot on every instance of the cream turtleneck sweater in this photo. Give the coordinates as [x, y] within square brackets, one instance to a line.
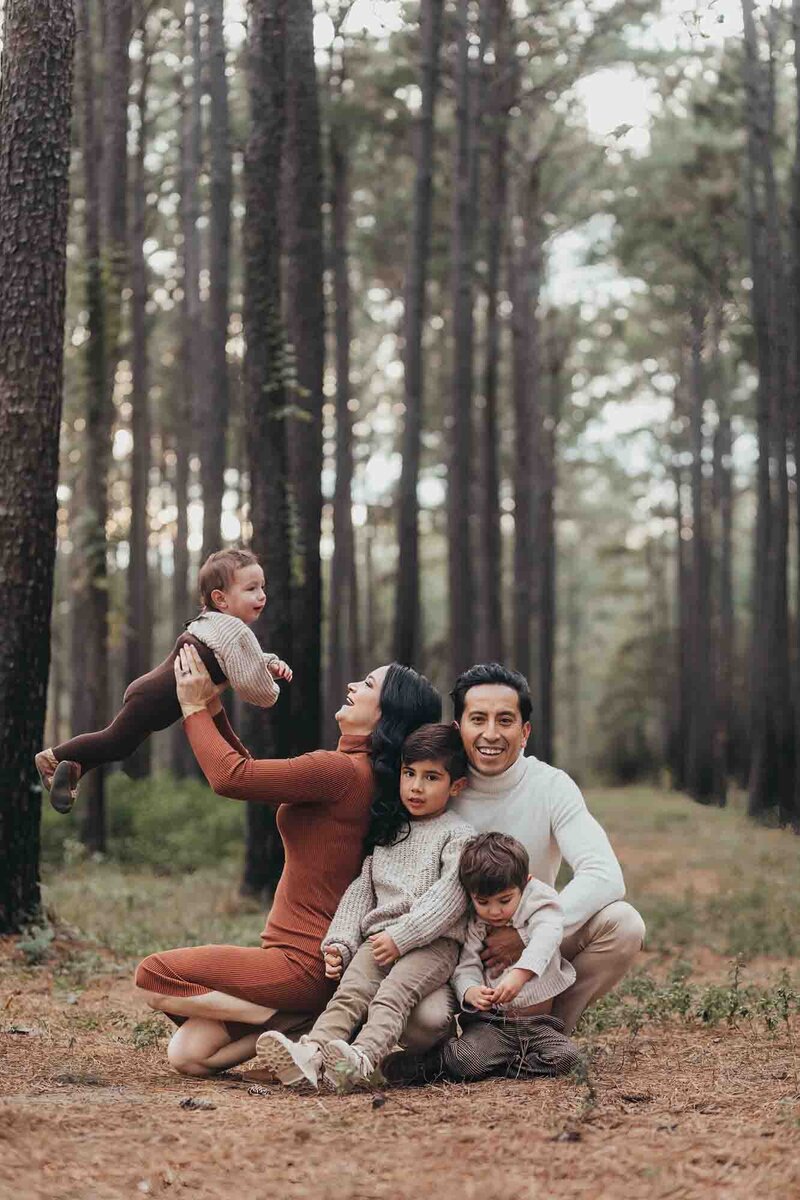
[542, 808]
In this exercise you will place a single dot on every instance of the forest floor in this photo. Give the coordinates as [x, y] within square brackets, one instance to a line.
[692, 1087]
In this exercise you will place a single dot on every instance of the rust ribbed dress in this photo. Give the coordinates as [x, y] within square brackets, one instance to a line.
[323, 801]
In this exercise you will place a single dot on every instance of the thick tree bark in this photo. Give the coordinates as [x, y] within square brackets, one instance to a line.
[795, 360]
[724, 631]
[489, 581]
[221, 186]
[306, 323]
[556, 346]
[459, 426]
[407, 631]
[35, 109]
[265, 398]
[343, 637]
[771, 769]
[139, 626]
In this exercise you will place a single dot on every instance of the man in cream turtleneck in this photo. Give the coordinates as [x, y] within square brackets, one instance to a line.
[542, 807]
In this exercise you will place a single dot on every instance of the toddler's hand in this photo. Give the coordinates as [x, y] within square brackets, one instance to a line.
[510, 986]
[479, 997]
[333, 962]
[280, 669]
[384, 950]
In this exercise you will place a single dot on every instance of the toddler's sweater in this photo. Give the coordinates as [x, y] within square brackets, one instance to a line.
[410, 889]
[236, 647]
[539, 921]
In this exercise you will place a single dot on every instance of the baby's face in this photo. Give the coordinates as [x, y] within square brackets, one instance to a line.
[498, 909]
[246, 595]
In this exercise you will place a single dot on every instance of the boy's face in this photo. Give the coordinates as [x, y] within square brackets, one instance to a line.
[498, 909]
[426, 788]
[245, 596]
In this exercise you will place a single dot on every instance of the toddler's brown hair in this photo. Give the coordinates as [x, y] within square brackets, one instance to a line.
[218, 570]
[492, 862]
[439, 743]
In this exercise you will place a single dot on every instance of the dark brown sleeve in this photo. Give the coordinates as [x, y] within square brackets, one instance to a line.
[324, 776]
[224, 726]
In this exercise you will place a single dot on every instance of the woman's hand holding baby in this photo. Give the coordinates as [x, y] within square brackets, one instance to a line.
[194, 686]
[510, 986]
[333, 962]
[384, 950]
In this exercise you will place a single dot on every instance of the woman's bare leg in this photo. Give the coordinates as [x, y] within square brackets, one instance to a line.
[203, 1047]
[214, 1006]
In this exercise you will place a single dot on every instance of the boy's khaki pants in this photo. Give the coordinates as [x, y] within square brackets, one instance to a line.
[383, 997]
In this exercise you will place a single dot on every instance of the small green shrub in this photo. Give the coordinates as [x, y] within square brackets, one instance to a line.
[170, 825]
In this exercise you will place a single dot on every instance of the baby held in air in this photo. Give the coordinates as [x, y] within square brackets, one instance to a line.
[232, 592]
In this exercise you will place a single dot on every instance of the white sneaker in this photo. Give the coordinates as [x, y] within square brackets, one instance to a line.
[346, 1066]
[292, 1063]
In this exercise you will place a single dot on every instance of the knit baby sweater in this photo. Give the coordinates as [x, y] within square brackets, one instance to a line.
[410, 889]
[539, 921]
[236, 647]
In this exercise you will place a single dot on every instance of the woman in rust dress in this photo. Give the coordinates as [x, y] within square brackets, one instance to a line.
[225, 996]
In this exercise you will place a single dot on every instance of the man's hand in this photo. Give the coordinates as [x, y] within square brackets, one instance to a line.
[280, 669]
[510, 986]
[479, 997]
[384, 950]
[333, 962]
[503, 947]
[193, 684]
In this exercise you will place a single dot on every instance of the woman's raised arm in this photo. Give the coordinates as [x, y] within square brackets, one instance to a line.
[324, 776]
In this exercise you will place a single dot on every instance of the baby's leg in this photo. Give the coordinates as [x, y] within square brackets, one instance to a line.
[411, 978]
[150, 703]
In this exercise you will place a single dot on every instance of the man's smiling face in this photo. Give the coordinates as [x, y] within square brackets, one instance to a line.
[491, 727]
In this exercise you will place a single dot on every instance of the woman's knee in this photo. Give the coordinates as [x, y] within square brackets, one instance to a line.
[184, 1062]
[153, 1000]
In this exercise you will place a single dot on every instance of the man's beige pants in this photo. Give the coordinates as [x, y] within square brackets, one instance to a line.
[601, 951]
[383, 997]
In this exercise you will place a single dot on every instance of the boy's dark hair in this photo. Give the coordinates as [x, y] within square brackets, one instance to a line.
[439, 743]
[492, 673]
[218, 570]
[492, 862]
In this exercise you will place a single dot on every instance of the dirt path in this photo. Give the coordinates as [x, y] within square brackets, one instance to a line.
[677, 1111]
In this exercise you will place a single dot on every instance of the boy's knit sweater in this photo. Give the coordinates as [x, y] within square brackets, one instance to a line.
[410, 889]
[539, 921]
[246, 666]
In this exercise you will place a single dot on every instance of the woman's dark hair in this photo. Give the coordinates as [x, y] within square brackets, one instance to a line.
[408, 700]
[483, 673]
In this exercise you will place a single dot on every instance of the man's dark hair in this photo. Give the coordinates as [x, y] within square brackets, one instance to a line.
[492, 673]
[439, 743]
[492, 862]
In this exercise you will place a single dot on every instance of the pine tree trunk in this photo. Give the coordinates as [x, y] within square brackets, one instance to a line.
[139, 631]
[545, 734]
[459, 426]
[407, 631]
[723, 636]
[344, 655]
[795, 361]
[700, 780]
[526, 286]
[221, 185]
[771, 770]
[306, 323]
[191, 396]
[265, 400]
[35, 109]
[489, 562]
